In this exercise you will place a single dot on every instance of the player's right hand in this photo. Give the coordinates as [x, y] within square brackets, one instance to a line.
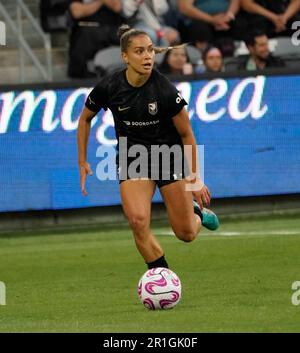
[84, 170]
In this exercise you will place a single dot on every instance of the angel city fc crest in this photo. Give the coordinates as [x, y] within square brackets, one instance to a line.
[152, 108]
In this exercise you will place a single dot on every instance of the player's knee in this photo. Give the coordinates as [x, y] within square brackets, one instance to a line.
[186, 234]
[138, 222]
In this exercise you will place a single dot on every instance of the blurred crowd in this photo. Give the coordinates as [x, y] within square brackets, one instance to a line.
[212, 29]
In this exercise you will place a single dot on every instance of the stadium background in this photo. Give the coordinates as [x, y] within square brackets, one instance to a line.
[249, 127]
[69, 263]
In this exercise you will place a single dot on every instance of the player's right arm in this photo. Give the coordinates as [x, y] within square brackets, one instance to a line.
[96, 100]
[83, 133]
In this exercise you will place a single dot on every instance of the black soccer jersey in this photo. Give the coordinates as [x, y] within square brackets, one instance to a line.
[142, 114]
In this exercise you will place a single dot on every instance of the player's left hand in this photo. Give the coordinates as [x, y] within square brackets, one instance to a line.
[202, 196]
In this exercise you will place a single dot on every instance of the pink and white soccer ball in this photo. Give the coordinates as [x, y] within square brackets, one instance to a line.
[159, 288]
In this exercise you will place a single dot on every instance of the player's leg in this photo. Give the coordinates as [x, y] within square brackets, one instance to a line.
[179, 203]
[185, 215]
[208, 218]
[136, 201]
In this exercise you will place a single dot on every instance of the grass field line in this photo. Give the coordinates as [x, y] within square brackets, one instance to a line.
[246, 233]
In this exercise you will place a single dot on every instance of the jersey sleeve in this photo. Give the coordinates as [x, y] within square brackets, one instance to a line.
[175, 101]
[98, 97]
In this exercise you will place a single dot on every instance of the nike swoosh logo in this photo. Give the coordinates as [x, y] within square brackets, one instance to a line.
[122, 109]
[91, 101]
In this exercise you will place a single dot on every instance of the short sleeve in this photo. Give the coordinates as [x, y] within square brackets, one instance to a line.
[175, 101]
[98, 97]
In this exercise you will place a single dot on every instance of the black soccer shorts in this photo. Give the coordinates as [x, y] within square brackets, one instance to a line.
[163, 173]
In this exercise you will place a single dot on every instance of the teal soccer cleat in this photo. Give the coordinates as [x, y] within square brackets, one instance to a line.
[209, 218]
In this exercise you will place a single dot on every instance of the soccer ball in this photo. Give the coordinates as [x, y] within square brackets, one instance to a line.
[159, 288]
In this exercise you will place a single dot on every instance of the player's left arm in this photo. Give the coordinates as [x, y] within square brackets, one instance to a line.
[182, 124]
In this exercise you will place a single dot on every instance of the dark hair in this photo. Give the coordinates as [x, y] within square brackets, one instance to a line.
[207, 50]
[125, 33]
[164, 67]
[250, 38]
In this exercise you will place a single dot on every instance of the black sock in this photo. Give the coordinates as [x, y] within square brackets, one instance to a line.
[161, 262]
[198, 212]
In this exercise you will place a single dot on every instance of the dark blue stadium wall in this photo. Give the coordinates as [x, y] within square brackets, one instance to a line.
[249, 126]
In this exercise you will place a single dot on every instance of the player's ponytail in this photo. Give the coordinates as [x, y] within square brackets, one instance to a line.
[160, 50]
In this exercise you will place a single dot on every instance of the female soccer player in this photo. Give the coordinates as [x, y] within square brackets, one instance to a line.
[148, 111]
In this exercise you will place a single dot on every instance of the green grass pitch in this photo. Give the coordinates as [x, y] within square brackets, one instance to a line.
[238, 279]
